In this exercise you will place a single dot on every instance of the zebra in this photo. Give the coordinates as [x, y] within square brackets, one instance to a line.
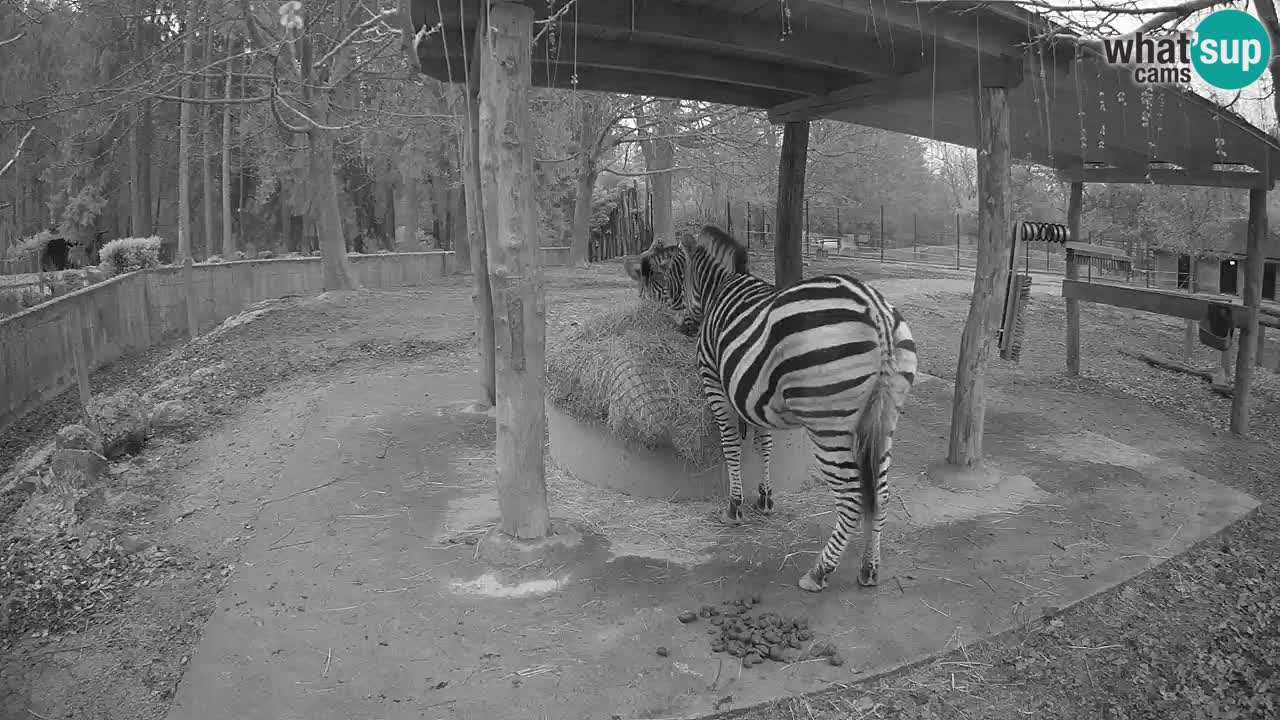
[828, 354]
[660, 275]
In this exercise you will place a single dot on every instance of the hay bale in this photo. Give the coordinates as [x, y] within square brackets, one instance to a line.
[632, 371]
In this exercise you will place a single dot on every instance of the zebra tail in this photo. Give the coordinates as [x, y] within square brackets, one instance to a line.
[877, 420]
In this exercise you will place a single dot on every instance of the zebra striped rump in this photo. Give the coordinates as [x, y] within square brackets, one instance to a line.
[829, 354]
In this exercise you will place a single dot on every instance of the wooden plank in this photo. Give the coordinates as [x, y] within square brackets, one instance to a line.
[515, 274]
[1161, 176]
[1102, 251]
[1252, 297]
[559, 75]
[696, 30]
[988, 35]
[946, 79]
[969, 407]
[1075, 203]
[478, 257]
[788, 267]
[1160, 302]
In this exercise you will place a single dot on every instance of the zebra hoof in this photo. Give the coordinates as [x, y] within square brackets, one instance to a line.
[812, 581]
[869, 576]
[764, 503]
[731, 515]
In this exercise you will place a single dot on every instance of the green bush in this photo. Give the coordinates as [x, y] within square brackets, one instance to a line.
[124, 255]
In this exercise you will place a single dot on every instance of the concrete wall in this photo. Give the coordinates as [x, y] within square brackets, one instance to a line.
[132, 312]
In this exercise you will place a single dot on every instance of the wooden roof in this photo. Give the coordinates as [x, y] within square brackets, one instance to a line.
[887, 64]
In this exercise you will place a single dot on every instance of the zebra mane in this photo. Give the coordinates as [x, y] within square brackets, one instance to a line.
[724, 251]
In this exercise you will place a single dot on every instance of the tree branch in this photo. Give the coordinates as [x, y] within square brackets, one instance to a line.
[17, 152]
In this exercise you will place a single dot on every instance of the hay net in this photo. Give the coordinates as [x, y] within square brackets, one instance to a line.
[631, 370]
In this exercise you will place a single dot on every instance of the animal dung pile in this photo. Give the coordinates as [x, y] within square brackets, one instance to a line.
[756, 637]
[630, 369]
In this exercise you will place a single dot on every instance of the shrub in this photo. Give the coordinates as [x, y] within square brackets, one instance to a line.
[29, 246]
[124, 255]
[213, 259]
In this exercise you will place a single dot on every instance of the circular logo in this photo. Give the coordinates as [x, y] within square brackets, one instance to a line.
[1231, 49]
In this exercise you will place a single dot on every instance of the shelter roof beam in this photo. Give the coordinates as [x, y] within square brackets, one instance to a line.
[950, 78]
[1163, 176]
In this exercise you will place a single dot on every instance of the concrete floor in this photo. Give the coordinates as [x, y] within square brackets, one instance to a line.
[396, 606]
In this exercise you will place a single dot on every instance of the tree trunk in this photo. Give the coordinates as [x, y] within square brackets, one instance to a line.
[660, 158]
[582, 217]
[788, 263]
[458, 226]
[969, 408]
[328, 219]
[140, 155]
[228, 239]
[206, 147]
[184, 138]
[515, 271]
[481, 296]
[406, 205]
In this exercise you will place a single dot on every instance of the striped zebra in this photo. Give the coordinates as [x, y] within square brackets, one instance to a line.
[828, 354]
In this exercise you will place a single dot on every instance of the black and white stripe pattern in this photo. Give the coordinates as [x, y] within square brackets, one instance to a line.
[828, 354]
[660, 274]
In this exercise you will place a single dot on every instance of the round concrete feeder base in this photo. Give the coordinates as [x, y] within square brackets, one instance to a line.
[594, 455]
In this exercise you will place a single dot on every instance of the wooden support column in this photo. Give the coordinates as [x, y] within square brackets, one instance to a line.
[969, 407]
[1252, 296]
[1075, 202]
[481, 294]
[788, 267]
[515, 272]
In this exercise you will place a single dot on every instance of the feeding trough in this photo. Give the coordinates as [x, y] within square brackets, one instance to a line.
[626, 412]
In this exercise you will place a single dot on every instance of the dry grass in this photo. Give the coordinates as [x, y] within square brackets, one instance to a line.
[631, 370]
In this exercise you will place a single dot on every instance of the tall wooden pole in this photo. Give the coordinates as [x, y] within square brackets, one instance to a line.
[969, 408]
[515, 272]
[481, 294]
[788, 267]
[1075, 203]
[1252, 296]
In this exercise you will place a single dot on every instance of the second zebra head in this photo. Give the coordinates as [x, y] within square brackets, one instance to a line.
[659, 273]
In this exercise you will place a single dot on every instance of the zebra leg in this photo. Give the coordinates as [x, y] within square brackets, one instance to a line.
[874, 517]
[730, 446]
[832, 454]
[764, 446]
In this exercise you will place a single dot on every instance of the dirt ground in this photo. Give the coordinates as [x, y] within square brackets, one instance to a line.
[1195, 637]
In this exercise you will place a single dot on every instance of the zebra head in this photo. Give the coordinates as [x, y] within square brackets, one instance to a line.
[659, 274]
[712, 257]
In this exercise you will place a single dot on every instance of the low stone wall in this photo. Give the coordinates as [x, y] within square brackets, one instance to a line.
[132, 312]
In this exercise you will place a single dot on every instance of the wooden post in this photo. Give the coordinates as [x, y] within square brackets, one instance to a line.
[969, 407]
[1252, 297]
[515, 271]
[1188, 340]
[481, 295]
[188, 283]
[788, 267]
[1075, 203]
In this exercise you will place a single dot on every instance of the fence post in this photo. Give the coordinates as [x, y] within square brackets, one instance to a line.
[807, 230]
[188, 282]
[957, 241]
[915, 236]
[838, 233]
[881, 233]
[748, 230]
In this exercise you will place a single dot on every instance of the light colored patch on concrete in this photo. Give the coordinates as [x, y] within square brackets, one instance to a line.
[1086, 446]
[928, 505]
[490, 585]
[469, 513]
